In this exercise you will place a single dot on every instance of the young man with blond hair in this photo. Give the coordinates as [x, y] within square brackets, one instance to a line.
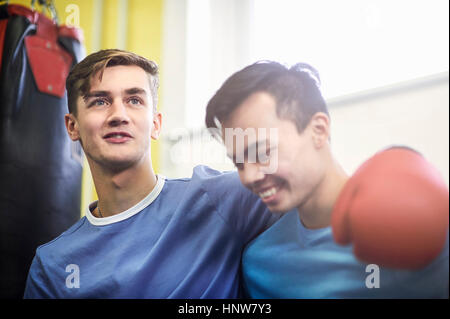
[146, 236]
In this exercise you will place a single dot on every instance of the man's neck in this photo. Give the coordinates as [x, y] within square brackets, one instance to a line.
[316, 212]
[120, 190]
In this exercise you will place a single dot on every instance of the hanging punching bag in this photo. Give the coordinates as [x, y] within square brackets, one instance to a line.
[40, 167]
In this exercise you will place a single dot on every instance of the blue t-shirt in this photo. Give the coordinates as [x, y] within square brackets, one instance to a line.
[291, 261]
[184, 240]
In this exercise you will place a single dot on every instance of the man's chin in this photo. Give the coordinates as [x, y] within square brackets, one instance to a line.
[282, 205]
[278, 208]
[118, 163]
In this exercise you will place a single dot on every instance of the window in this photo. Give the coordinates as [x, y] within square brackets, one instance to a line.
[355, 45]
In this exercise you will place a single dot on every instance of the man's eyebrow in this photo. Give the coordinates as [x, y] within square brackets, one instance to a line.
[135, 90]
[96, 94]
[130, 91]
[250, 148]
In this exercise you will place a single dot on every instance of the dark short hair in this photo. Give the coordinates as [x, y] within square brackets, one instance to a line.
[295, 90]
[78, 83]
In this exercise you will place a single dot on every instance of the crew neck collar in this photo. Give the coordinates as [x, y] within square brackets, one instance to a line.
[129, 212]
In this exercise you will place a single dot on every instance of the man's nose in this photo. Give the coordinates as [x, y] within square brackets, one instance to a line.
[118, 114]
[251, 174]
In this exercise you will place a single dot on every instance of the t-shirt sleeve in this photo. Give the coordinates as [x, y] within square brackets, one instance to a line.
[244, 211]
[37, 285]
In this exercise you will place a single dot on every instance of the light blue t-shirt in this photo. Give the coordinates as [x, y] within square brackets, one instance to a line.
[291, 261]
[184, 240]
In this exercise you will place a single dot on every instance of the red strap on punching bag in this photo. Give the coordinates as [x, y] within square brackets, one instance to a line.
[49, 63]
[14, 9]
[71, 32]
[3, 24]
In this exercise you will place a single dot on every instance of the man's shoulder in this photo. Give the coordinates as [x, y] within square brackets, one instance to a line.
[221, 190]
[205, 173]
[61, 241]
[207, 179]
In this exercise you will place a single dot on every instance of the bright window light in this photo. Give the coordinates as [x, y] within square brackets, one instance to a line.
[355, 45]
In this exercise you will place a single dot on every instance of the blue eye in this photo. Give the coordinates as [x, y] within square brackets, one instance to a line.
[264, 155]
[135, 101]
[99, 102]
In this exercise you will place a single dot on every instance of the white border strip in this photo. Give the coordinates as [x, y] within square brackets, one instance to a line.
[129, 212]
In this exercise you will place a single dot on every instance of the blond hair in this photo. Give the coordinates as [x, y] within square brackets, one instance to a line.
[79, 79]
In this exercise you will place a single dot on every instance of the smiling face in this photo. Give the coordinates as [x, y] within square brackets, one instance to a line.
[296, 161]
[115, 120]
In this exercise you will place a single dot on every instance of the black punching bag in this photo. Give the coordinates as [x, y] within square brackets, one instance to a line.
[40, 167]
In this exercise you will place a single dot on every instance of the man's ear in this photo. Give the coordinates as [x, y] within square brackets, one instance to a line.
[156, 128]
[72, 126]
[320, 127]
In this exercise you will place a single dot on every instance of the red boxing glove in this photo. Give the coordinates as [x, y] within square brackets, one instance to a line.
[394, 209]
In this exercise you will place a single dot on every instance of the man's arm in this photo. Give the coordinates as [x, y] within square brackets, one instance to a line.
[240, 208]
[394, 210]
[38, 284]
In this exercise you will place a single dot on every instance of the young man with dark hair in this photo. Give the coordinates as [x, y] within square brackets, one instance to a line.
[146, 236]
[394, 209]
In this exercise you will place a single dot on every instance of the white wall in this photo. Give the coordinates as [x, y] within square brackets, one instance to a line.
[414, 113]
